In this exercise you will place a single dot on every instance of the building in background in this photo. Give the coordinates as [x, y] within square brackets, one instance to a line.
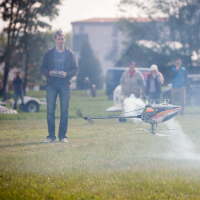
[107, 41]
[104, 38]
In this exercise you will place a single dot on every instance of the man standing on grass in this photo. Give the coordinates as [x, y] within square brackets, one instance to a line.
[59, 66]
[18, 90]
[179, 81]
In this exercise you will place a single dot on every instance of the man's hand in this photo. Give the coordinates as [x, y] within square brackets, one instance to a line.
[157, 73]
[51, 73]
[64, 74]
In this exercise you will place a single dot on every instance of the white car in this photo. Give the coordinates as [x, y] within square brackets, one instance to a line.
[32, 104]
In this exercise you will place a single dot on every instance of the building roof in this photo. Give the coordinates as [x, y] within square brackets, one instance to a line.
[113, 20]
[98, 20]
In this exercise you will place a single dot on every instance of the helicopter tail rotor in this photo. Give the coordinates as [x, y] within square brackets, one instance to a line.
[88, 117]
[78, 112]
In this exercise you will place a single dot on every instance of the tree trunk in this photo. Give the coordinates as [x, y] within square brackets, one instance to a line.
[5, 78]
[26, 69]
[25, 48]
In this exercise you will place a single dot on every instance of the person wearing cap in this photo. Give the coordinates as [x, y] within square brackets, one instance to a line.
[154, 81]
[179, 82]
[59, 66]
[132, 82]
[18, 90]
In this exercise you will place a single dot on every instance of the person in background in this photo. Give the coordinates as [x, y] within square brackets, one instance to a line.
[87, 86]
[179, 82]
[93, 90]
[59, 66]
[154, 81]
[18, 90]
[132, 82]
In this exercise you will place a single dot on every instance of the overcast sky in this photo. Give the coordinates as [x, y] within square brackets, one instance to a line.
[73, 10]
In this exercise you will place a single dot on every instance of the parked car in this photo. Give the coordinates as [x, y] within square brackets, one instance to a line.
[192, 90]
[113, 78]
[32, 104]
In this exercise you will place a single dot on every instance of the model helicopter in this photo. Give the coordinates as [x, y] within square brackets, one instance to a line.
[152, 114]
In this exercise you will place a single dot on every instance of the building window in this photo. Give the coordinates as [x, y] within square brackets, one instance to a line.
[81, 29]
[114, 32]
[78, 41]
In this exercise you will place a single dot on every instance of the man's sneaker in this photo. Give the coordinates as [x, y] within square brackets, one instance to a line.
[63, 140]
[49, 140]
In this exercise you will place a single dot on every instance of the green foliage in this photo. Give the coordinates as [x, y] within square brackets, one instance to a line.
[89, 66]
[180, 26]
[23, 16]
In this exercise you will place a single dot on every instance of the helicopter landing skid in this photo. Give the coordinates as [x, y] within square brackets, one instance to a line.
[154, 133]
[152, 130]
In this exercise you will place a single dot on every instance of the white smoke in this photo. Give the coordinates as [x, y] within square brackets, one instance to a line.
[181, 147]
[133, 103]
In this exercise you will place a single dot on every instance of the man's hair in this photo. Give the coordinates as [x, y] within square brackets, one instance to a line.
[59, 33]
[131, 63]
[178, 59]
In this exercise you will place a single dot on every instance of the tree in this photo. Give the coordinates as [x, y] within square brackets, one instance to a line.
[89, 66]
[145, 45]
[178, 35]
[23, 16]
[37, 44]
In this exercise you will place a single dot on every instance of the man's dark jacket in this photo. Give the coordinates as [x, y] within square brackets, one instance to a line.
[70, 67]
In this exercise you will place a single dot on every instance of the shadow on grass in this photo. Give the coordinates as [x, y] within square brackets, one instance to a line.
[97, 100]
[21, 144]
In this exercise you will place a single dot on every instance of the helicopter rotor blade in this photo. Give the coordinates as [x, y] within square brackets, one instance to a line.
[79, 113]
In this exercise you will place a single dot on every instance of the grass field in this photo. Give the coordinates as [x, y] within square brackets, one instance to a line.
[101, 161]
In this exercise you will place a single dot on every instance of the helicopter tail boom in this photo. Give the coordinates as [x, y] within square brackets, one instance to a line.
[90, 117]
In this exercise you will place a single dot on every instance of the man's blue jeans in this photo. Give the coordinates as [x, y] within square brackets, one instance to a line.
[64, 94]
[21, 94]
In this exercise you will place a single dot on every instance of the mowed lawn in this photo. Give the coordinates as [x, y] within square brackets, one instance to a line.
[101, 161]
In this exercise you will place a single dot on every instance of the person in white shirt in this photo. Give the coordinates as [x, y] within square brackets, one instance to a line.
[154, 81]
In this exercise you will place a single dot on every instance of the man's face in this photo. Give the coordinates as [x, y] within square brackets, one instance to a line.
[60, 40]
[154, 72]
[178, 64]
[17, 74]
[131, 68]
